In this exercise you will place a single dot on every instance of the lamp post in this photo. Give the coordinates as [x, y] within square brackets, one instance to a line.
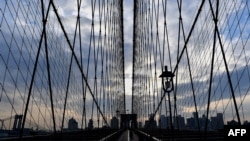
[168, 86]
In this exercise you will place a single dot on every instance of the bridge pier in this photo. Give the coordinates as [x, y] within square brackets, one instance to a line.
[128, 121]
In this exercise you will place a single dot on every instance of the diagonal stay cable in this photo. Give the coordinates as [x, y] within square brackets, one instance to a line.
[225, 62]
[189, 35]
[48, 69]
[211, 71]
[70, 66]
[77, 61]
[33, 74]
[79, 2]
[190, 75]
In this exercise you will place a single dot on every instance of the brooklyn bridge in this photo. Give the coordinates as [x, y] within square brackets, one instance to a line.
[114, 70]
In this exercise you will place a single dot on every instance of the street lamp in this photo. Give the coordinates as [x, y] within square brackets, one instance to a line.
[168, 86]
[167, 80]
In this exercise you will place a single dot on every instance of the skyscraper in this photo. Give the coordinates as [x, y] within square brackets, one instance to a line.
[72, 124]
[114, 123]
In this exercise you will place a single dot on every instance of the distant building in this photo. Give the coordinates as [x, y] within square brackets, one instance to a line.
[17, 122]
[217, 121]
[246, 122]
[151, 123]
[139, 125]
[163, 122]
[114, 123]
[196, 120]
[90, 124]
[72, 124]
[190, 123]
[168, 122]
[203, 121]
[232, 122]
[220, 120]
[179, 122]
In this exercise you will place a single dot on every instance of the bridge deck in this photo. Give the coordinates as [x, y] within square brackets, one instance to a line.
[128, 135]
[123, 135]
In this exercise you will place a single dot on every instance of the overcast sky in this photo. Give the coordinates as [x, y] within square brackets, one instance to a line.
[236, 61]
